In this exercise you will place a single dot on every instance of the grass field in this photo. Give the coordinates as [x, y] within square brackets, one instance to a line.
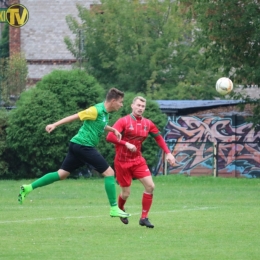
[194, 218]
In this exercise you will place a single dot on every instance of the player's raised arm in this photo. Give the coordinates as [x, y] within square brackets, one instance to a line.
[119, 126]
[49, 128]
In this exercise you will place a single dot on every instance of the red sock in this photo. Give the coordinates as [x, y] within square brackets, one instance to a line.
[121, 202]
[146, 204]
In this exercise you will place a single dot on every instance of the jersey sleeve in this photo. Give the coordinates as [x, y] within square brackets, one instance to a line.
[161, 143]
[119, 126]
[154, 131]
[156, 134]
[88, 114]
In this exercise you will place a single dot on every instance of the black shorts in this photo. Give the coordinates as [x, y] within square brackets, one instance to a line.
[80, 155]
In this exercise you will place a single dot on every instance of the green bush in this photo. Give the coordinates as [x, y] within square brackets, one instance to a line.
[3, 146]
[57, 95]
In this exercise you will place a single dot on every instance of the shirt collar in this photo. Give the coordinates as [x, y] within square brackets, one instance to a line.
[136, 118]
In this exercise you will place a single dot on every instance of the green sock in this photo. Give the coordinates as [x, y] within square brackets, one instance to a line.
[110, 188]
[46, 180]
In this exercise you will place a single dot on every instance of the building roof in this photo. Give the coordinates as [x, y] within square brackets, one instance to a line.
[174, 106]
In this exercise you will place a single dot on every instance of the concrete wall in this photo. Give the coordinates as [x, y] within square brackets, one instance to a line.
[214, 141]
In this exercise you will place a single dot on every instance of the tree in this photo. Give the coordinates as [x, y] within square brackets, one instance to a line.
[3, 146]
[228, 32]
[13, 76]
[186, 91]
[57, 95]
[132, 45]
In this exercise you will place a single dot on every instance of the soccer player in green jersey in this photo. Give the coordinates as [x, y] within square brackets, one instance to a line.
[82, 149]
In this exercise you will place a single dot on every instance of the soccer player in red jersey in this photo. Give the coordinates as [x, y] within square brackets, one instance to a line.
[129, 162]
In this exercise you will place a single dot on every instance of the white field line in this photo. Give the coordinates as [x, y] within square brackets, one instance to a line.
[101, 216]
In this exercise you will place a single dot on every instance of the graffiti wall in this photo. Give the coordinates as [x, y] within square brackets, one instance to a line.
[195, 142]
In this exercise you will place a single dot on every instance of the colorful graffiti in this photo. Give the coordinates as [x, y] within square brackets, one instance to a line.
[194, 141]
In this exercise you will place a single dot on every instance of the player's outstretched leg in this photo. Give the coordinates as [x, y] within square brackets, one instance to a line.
[24, 190]
[43, 181]
[115, 211]
[145, 222]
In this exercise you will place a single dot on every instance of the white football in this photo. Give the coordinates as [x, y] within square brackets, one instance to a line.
[224, 86]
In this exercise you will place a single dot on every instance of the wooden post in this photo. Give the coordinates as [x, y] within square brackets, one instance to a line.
[215, 159]
[165, 165]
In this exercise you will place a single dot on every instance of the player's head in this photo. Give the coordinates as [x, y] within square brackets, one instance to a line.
[138, 105]
[114, 99]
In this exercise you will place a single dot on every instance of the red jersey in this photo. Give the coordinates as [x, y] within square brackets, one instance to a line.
[134, 130]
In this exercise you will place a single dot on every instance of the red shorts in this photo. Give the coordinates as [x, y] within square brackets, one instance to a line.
[125, 174]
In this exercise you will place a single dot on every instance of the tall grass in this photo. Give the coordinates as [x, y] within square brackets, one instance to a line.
[194, 218]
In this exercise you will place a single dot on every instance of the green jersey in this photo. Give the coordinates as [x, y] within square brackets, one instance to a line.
[95, 120]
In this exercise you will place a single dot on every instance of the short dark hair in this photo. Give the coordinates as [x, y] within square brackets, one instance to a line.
[114, 93]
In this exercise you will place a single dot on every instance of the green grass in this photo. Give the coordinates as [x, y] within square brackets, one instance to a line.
[194, 218]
